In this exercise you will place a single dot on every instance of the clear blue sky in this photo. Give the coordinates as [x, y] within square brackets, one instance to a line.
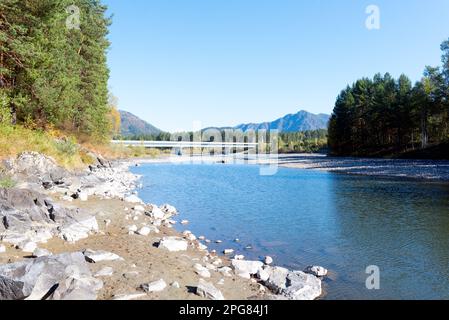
[226, 62]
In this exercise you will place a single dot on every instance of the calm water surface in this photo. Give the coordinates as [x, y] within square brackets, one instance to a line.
[300, 217]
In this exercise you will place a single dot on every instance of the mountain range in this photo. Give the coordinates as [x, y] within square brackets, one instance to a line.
[301, 121]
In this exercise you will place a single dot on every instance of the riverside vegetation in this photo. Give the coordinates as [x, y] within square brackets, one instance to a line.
[384, 116]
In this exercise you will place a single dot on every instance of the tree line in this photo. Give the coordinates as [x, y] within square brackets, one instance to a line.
[53, 70]
[288, 142]
[386, 116]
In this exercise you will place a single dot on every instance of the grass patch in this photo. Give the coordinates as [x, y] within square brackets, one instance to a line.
[17, 139]
[7, 183]
[65, 149]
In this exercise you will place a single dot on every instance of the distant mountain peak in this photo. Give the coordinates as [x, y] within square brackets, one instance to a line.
[132, 125]
[300, 121]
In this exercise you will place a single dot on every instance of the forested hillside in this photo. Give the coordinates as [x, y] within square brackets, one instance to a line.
[53, 71]
[387, 116]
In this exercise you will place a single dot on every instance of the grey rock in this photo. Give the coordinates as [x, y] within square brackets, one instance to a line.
[38, 253]
[155, 286]
[246, 269]
[316, 271]
[277, 281]
[98, 256]
[173, 244]
[208, 290]
[105, 272]
[55, 277]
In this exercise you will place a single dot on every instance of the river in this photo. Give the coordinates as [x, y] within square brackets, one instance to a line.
[306, 217]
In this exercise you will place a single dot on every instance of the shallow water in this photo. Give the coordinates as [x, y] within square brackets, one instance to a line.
[303, 217]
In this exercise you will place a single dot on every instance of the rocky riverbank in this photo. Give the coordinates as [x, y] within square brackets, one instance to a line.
[87, 235]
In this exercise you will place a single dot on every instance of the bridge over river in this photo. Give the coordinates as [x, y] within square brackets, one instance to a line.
[180, 145]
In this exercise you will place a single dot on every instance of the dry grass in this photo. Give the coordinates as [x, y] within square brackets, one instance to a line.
[65, 149]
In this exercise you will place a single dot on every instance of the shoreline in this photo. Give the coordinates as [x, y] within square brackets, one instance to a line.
[140, 255]
[417, 170]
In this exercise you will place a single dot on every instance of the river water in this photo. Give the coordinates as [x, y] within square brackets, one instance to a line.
[304, 217]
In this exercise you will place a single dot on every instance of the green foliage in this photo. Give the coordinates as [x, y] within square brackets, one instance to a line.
[383, 116]
[303, 142]
[67, 146]
[51, 75]
[7, 182]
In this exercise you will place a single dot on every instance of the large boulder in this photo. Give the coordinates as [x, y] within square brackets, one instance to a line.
[36, 167]
[292, 285]
[60, 277]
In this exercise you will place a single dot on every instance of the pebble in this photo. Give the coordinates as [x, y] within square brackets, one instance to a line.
[268, 260]
[155, 286]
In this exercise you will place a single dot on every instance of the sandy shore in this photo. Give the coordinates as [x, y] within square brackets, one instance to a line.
[105, 197]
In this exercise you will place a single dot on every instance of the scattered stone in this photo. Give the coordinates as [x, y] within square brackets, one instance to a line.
[98, 256]
[145, 231]
[228, 251]
[175, 285]
[168, 209]
[221, 282]
[79, 229]
[139, 208]
[82, 196]
[202, 247]
[67, 198]
[2, 249]
[107, 222]
[268, 260]
[156, 213]
[133, 228]
[201, 271]
[246, 269]
[217, 262]
[239, 257]
[155, 286]
[133, 199]
[132, 296]
[249, 247]
[184, 222]
[237, 240]
[207, 290]
[28, 247]
[202, 238]
[105, 272]
[191, 237]
[38, 252]
[130, 274]
[218, 241]
[316, 271]
[226, 271]
[173, 244]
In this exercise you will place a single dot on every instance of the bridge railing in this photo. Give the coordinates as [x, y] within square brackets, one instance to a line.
[186, 144]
